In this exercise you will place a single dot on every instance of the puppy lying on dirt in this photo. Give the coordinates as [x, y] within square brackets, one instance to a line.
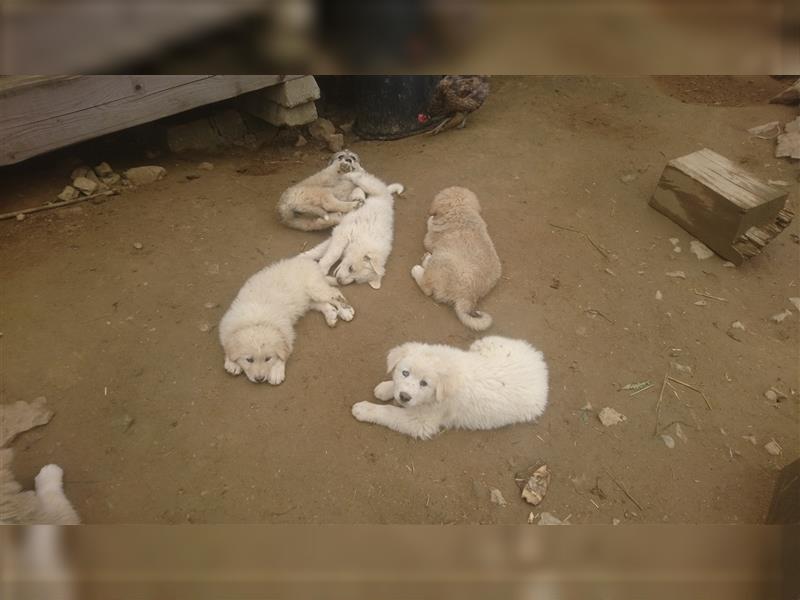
[497, 382]
[318, 202]
[257, 331]
[461, 265]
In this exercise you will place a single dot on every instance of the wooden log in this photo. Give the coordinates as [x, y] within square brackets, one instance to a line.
[722, 205]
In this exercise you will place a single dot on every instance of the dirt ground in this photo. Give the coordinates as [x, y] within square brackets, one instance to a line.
[150, 429]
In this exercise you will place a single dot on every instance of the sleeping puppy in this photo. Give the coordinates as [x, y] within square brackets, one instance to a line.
[497, 382]
[462, 265]
[319, 201]
[257, 331]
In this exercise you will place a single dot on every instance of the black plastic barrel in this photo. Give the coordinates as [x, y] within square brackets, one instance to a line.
[387, 107]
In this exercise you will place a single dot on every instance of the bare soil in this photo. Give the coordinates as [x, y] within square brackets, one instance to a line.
[150, 429]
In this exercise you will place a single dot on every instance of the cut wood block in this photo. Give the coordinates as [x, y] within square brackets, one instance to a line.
[725, 207]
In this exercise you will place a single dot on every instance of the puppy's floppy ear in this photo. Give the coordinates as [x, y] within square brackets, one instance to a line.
[376, 266]
[282, 347]
[396, 355]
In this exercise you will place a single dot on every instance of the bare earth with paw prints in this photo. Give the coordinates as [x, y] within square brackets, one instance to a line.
[110, 311]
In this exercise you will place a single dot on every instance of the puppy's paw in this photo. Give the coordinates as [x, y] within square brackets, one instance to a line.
[331, 315]
[346, 312]
[277, 373]
[231, 367]
[49, 478]
[364, 411]
[426, 259]
[384, 391]
[417, 272]
[375, 284]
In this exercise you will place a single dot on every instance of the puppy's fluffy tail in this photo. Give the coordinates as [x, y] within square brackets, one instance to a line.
[303, 221]
[395, 188]
[472, 317]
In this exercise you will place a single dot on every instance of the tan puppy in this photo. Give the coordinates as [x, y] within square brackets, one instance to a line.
[461, 266]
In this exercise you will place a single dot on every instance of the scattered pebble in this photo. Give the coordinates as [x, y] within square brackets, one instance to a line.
[677, 250]
[728, 265]
[145, 175]
[669, 441]
[750, 438]
[547, 518]
[738, 325]
[773, 448]
[700, 250]
[531, 518]
[676, 274]
[85, 185]
[211, 304]
[659, 295]
[608, 417]
[103, 170]
[20, 216]
[674, 241]
[771, 395]
[79, 172]
[779, 318]
[682, 368]
[68, 193]
[138, 245]
[627, 178]
[701, 303]
[205, 327]
[615, 522]
[205, 166]
[796, 303]
[536, 487]
[496, 496]
[610, 272]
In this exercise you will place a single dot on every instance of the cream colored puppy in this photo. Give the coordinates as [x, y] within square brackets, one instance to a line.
[497, 382]
[319, 201]
[461, 266]
[257, 331]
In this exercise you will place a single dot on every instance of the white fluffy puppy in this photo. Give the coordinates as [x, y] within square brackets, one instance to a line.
[362, 241]
[319, 201]
[46, 506]
[257, 331]
[499, 381]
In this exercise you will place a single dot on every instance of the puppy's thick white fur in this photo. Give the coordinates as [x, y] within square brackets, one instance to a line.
[46, 506]
[497, 382]
[319, 201]
[362, 241]
[257, 331]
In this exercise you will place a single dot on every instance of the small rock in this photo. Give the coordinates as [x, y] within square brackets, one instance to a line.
[79, 172]
[771, 395]
[615, 522]
[677, 250]
[659, 295]
[700, 250]
[674, 241]
[496, 496]
[627, 178]
[205, 327]
[111, 179]
[531, 518]
[321, 129]
[145, 175]
[750, 438]
[103, 170]
[335, 142]
[211, 304]
[85, 185]
[301, 141]
[68, 193]
[669, 442]
[536, 487]
[608, 417]
[20, 216]
[773, 448]
[728, 265]
[682, 368]
[547, 518]
[205, 166]
[796, 303]
[738, 325]
[680, 433]
[676, 274]
[779, 318]
[138, 245]
[701, 303]
[766, 131]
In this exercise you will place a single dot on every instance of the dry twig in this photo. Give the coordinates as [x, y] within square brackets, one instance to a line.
[596, 246]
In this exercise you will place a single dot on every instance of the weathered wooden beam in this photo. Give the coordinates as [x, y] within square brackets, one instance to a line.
[41, 114]
[725, 207]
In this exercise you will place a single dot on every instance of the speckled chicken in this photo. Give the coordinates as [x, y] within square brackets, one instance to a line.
[454, 98]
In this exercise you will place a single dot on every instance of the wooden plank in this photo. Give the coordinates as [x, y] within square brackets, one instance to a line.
[56, 112]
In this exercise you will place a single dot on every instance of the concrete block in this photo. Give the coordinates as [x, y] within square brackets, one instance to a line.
[293, 92]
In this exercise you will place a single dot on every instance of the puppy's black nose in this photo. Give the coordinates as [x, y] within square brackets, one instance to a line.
[261, 378]
[404, 397]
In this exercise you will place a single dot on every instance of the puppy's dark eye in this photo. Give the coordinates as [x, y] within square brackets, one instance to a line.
[269, 358]
[350, 268]
[406, 373]
[249, 359]
[423, 383]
